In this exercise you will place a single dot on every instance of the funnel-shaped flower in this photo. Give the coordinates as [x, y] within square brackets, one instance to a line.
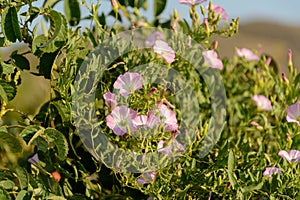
[248, 54]
[121, 119]
[269, 171]
[164, 51]
[293, 113]
[147, 177]
[169, 118]
[110, 99]
[128, 83]
[146, 122]
[173, 148]
[191, 2]
[211, 59]
[293, 156]
[262, 102]
[149, 42]
[34, 159]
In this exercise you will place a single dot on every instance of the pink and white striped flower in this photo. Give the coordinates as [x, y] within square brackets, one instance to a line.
[110, 99]
[292, 156]
[121, 120]
[269, 171]
[247, 54]
[293, 113]
[262, 102]
[163, 50]
[211, 59]
[147, 177]
[128, 83]
[149, 42]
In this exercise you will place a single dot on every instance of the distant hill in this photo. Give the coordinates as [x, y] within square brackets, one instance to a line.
[271, 38]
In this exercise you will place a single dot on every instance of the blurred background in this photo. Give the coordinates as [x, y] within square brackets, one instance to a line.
[269, 26]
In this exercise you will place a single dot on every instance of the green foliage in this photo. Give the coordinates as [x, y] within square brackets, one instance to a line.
[10, 25]
[45, 157]
[72, 12]
[159, 7]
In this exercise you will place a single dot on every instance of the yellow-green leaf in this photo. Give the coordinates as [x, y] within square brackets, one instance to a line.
[10, 24]
[72, 11]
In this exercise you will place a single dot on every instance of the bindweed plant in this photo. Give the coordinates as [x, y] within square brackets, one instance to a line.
[146, 110]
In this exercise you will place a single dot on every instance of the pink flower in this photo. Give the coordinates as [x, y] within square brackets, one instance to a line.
[171, 149]
[110, 99]
[147, 177]
[293, 113]
[219, 11]
[292, 156]
[211, 59]
[164, 51]
[169, 118]
[270, 171]
[149, 121]
[149, 42]
[248, 54]
[128, 83]
[191, 2]
[262, 102]
[120, 119]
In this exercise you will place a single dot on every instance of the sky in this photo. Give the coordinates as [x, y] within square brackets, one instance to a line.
[279, 11]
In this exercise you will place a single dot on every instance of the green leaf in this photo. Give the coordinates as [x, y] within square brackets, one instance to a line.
[297, 80]
[9, 88]
[64, 110]
[159, 7]
[28, 132]
[59, 141]
[2, 41]
[7, 68]
[10, 141]
[24, 195]
[231, 161]
[22, 177]
[20, 61]
[252, 187]
[56, 198]
[57, 35]
[138, 3]
[7, 184]
[34, 13]
[296, 142]
[232, 179]
[3, 94]
[50, 3]
[4, 194]
[6, 174]
[46, 64]
[72, 11]
[10, 25]
[231, 167]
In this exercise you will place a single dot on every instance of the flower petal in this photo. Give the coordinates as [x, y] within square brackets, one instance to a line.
[211, 59]
[164, 51]
[128, 83]
[248, 54]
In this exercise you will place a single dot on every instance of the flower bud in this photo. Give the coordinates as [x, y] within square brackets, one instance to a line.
[284, 78]
[290, 62]
[114, 4]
